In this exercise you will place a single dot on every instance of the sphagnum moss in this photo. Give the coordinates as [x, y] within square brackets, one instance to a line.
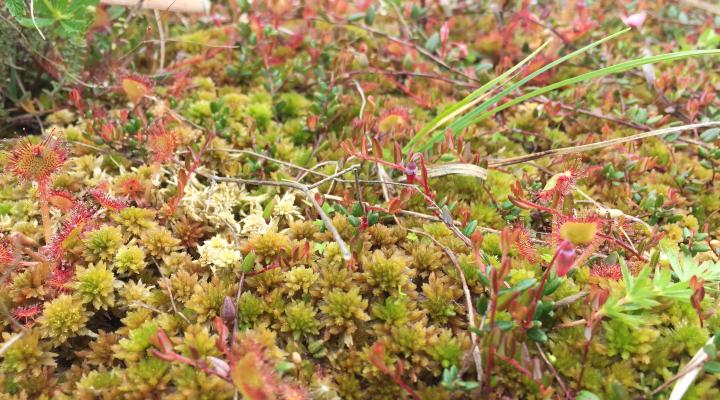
[129, 259]
[96, 285]
[63, 318]
[102, 244]
[99, 266]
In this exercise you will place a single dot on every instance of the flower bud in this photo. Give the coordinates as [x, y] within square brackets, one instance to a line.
[634, 20]
[228, 311]
[564, 257]
[411, 171]
[220, 366]
[312, 122]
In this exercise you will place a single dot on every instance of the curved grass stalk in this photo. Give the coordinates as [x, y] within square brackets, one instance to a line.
[473, 98]
[462, 105]
[470, 119]
[481, 112]
[592, 146]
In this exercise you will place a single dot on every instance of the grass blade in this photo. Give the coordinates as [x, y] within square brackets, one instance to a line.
[471, 99]
[613, 69]
[593, 146]
[488, 103]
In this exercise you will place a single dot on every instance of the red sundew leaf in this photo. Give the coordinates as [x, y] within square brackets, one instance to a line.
[62, 274]
[607, 271]
[7, 255]
[106, 200]
[27, 313]
[80, 214]
[61, 199]
[395, 120]
[249, 378]
[559, 185]
[36, 162]
[524, 244]
[162, 142]
[136, 87]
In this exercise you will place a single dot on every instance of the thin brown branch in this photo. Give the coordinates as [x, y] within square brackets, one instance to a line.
[468, 303]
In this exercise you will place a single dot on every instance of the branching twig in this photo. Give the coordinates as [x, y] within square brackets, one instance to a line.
[560, 380]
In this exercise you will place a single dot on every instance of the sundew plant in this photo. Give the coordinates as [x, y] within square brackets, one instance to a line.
[395, 199]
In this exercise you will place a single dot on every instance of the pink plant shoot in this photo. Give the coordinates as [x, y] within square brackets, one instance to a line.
[634, 20]
[565, 257]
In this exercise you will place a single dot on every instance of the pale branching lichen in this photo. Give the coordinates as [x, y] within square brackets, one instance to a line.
[217, 252]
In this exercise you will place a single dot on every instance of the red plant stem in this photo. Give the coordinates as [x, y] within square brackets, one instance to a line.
[488, 338]
[521, 369]
[418, 100]
[185, 360]
[586, 351]
[395, 378]
[496, 277]
[360, 155]
[377, 360]
[423, 181]
[194, 60]
[197, 158]
[528, 204]
[538, 294]
[512, 298]
[623, 245]
[406, 388]
[45, 210]
[266, 269]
